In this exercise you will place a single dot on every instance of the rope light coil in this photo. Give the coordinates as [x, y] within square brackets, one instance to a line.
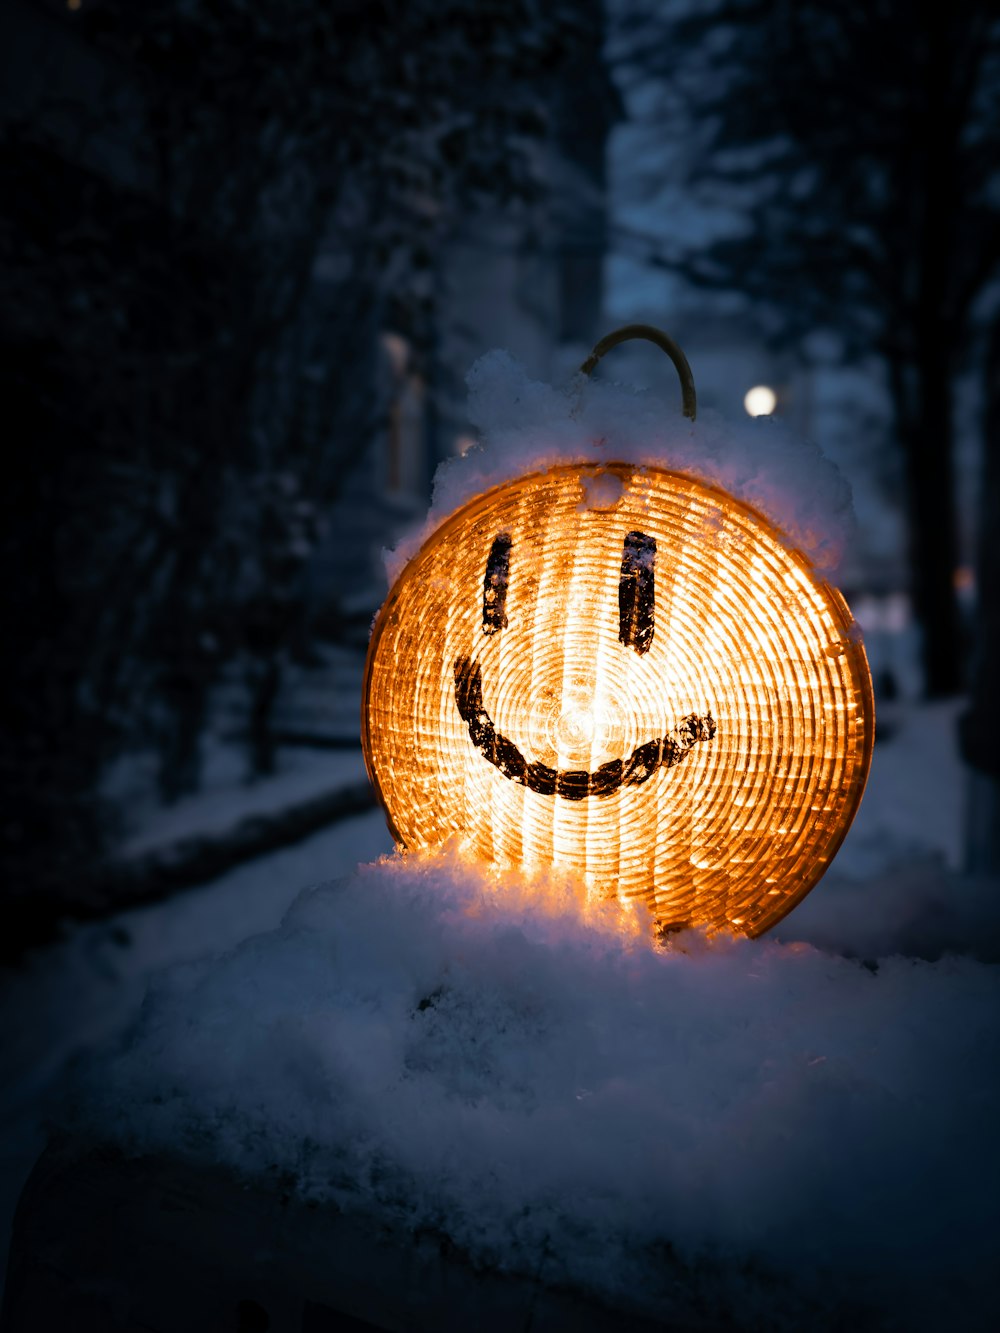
[656, 693]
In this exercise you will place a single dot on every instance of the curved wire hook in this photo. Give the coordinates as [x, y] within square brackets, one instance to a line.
[689, 397]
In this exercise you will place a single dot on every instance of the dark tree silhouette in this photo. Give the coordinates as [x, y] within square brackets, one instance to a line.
[203, 215]
[979, 728]
[858, 145]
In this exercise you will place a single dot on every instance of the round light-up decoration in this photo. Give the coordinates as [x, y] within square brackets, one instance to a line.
[626, 673]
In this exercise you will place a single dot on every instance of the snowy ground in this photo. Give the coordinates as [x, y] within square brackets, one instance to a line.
[891, 890]
[318, 703]
[68, 998]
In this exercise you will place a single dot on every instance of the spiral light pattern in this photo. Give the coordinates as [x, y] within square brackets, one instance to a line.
[506, 703]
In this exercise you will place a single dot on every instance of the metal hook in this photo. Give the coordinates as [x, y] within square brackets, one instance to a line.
[663, 340]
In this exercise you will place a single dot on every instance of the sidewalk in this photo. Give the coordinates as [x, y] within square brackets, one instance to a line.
[200, 838]
[233, 817]
[320, 779]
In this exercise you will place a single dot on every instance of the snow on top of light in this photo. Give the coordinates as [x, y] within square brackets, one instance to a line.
[536, 1079]
[526, 426]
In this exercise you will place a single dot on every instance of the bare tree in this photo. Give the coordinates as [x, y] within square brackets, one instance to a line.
[979, 728]
[857, 148]
[225, 205]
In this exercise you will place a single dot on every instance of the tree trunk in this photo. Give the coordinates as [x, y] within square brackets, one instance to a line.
[922, 407]
[932, 536]
[932, 338]
[979, 727]
[265, 685]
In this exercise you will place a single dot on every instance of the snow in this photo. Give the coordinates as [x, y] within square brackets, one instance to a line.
[67, 999]
[779, 1133]
[806, 1121]
[304, 774]
[565, 1086]
[319, 702]
[525, 426]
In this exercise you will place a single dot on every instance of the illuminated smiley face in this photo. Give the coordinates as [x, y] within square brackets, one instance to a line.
[636, 605]
[627, 674]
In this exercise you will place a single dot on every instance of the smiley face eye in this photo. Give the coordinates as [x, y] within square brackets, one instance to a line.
[495, 584]
[636, 599]
[636, 596]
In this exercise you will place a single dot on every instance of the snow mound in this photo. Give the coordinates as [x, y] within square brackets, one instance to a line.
[525, 426]
[782, 1129]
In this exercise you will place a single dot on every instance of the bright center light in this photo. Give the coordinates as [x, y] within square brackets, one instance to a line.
[760, 401]
[576, 727]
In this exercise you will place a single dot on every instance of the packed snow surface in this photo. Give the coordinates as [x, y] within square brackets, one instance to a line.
[525, 426]
[791, 1130]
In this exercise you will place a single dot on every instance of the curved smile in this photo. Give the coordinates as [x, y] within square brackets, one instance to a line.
[504, 755]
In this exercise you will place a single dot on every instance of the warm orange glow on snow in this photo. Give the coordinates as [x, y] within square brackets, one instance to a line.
[624, 673]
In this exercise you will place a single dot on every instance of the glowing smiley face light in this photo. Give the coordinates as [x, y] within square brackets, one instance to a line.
[626, 673]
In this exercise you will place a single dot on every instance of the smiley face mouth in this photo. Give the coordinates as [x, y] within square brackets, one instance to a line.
[503, 754]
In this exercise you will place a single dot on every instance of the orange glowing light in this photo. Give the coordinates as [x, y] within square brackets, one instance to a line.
[626, 673]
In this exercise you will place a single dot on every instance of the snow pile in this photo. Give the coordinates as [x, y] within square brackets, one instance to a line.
[525, 426]
[732, 1129]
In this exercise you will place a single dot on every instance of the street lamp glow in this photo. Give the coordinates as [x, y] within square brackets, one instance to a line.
[760, 401]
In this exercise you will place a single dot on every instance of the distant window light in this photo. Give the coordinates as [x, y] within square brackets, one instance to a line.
[964, 579]
[760, 401]
[397, 349]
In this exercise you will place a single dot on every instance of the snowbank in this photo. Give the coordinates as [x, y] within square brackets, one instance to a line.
[534, 1077]
[525, 426]
[764, 1134]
